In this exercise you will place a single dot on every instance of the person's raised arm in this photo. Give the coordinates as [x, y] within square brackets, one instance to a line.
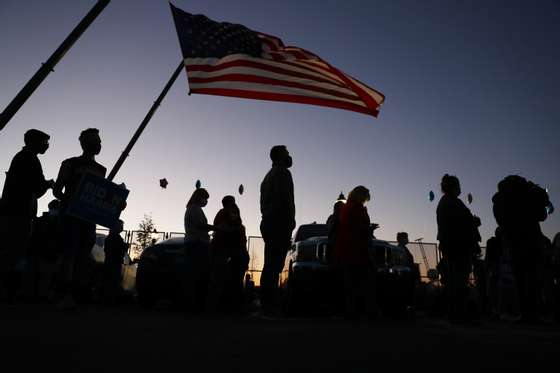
[61, 181]
[41, 185]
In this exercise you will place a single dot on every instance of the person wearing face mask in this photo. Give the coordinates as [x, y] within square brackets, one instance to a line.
[78, 236]
[229, 259]
[458, 239]
[197, 241]
[277, 224]
[353, 257]
[24, 184]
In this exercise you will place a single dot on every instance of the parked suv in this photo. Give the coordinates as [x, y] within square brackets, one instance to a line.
[311, 281]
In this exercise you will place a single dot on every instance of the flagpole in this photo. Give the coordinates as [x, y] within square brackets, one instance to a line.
[144, 123]
[47, 67]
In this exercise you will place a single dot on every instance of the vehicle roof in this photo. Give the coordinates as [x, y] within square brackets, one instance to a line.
[375, 241]
[314, 230]
[306, 231]
[172, 241]
[180, 241]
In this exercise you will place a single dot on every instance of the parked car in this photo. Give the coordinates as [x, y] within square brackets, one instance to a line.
[161, 272]
[311, 281]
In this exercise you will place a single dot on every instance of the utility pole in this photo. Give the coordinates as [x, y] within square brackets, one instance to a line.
[145, 122]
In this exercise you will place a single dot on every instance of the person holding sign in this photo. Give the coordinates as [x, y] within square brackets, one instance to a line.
[78, 236]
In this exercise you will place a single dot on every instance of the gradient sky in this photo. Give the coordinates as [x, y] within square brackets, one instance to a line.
[472, 89]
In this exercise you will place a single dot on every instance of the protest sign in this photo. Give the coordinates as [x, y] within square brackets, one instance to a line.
[98, 200]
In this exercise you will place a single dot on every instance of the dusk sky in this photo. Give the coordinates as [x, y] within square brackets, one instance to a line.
[472, 89]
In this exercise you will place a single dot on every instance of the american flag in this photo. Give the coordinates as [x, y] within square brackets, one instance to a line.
[228, 59]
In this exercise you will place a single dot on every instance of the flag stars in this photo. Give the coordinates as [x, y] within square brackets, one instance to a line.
[207, 38]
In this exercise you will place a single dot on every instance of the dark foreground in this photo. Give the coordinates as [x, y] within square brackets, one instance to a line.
[96, 338]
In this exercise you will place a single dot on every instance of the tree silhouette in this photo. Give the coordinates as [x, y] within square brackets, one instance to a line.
[144, 236]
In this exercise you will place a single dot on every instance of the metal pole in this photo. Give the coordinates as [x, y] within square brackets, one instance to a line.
[144, 123]
[48, 66]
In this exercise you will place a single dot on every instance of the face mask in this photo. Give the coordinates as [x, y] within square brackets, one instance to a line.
[92, 145]
[204, 203]
[288, 162]
[44, 148]
[96, 149]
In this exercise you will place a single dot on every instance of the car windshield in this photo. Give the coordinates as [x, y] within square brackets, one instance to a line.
[379, 254]
[398, 255]
[311, 230]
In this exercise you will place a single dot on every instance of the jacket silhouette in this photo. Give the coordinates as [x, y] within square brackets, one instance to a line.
[25, 183]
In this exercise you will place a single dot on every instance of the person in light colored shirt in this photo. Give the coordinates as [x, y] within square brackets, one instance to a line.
[197, 242]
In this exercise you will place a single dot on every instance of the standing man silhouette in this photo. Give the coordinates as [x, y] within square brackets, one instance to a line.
[458, 241]
[78, 236]
[24, 184]
[278, 221]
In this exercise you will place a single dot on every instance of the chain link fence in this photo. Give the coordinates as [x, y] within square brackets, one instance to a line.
[425, 254]
[255, 246]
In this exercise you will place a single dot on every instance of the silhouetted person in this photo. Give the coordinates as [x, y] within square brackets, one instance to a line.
[492, 261]
[546, 278]
[353, 256]
[249, 291]
[278, 222]
[555, 272]
[197, 241]
[337, 280]
[402, 241]
[78, 236]
[458, 240]
[229, 258]
[24, 184]
[519, 206]
[333, 223]
[44, 253]
[115, 249]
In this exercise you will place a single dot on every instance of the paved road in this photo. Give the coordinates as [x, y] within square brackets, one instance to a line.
[95, 337]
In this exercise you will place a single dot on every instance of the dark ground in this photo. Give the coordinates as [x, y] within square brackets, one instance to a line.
[95, 338]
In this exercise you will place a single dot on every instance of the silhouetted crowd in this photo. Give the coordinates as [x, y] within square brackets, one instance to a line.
[518, 279]
[48, 258]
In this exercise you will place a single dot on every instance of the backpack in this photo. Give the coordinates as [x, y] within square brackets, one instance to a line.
[531, 197]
